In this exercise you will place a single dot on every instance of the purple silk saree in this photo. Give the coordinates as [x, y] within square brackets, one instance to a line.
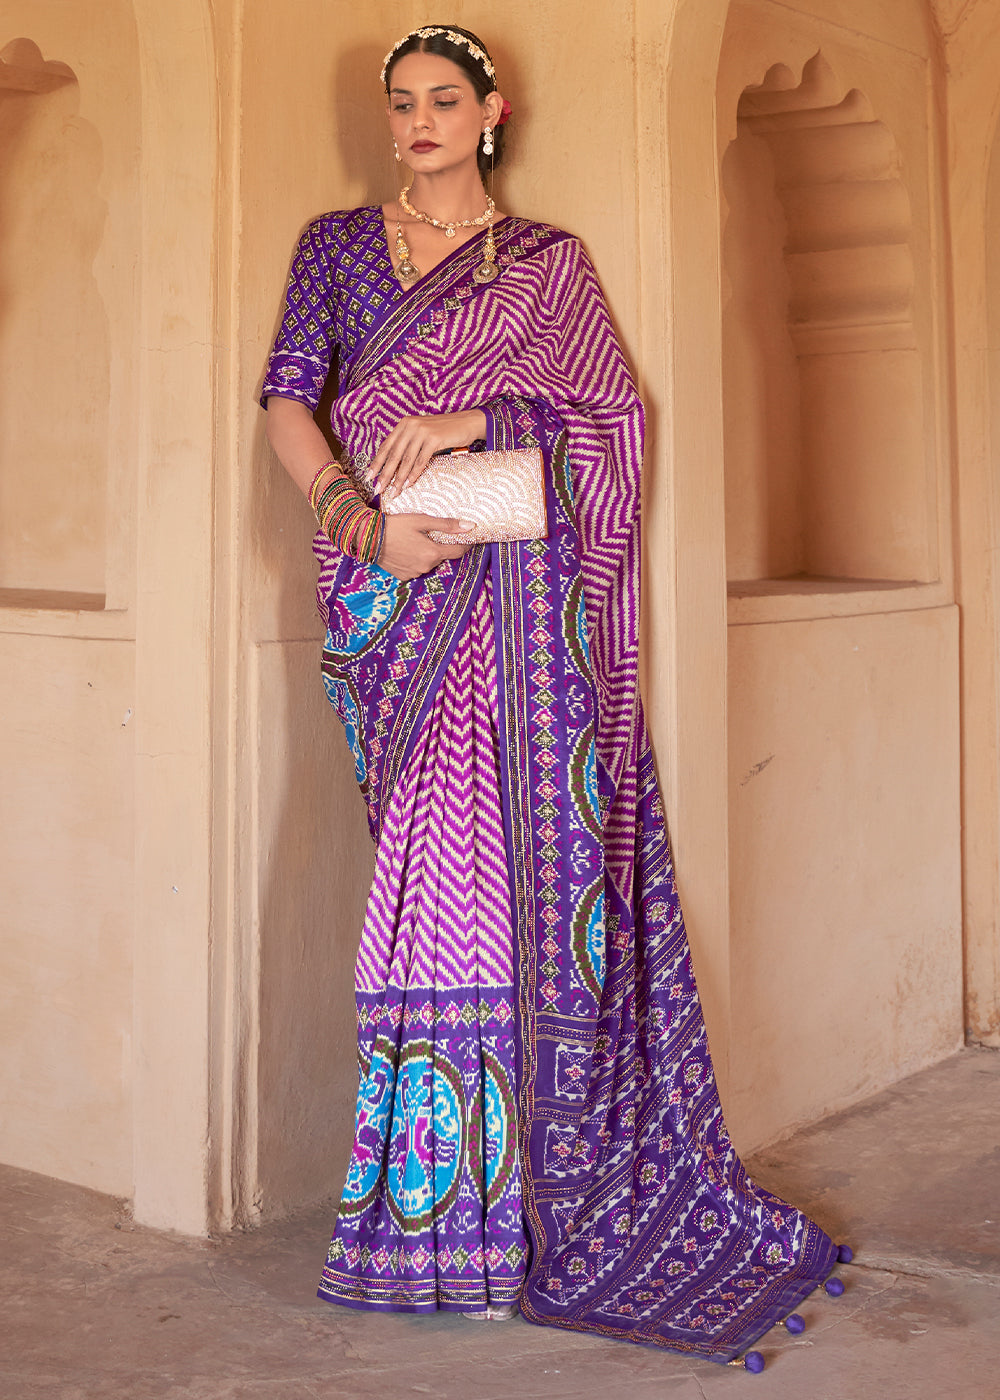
[537, 1114]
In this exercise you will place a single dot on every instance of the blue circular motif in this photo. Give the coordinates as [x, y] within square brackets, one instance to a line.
[596, 941]
[588, 939]
[338, 692]
[375, 1098]
[360, 608]
[583, 783]
[427, 1138]
[499, 1137]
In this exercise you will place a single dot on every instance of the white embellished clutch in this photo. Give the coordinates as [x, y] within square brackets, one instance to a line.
[502, 492]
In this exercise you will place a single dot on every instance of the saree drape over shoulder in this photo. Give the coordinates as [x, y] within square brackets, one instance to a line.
[537, 1114]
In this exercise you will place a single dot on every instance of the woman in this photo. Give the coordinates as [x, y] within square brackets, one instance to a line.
[538, 1123]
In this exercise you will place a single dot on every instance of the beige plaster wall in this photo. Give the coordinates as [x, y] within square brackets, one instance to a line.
[213, 853]
[845, 865]
[51, 524]
[846, 878]
[303, 850]
[68, 265]
[66, 813]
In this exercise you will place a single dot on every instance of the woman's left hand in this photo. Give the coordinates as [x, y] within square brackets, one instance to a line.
[404, 454]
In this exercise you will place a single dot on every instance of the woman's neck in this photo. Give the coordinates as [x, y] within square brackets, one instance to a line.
[451, 194]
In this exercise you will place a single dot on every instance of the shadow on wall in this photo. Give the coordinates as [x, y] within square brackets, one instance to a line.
[54, 339]
[309, 838]
[313, 851]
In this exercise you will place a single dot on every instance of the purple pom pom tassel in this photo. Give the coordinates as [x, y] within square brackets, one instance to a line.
[795, 1323]
[845, 1253]
[754, 1362]
[834, 1287]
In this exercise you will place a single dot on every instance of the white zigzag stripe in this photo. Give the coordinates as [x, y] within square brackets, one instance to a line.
[452, 926]
[543, 331]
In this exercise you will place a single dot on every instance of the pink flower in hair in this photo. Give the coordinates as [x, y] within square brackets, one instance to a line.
[505, 112]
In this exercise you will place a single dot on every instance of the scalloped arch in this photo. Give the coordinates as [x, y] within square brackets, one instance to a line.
[24, 69]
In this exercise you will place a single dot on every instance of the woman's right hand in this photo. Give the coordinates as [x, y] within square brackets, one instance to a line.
[408, 550]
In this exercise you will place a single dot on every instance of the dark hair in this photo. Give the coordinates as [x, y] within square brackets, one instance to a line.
[470, 66]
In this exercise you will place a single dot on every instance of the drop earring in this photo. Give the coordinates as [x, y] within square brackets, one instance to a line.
[487, 269]
[396, 150]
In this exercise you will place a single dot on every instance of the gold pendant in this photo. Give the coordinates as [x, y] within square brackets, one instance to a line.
[487, 269]
[450, 231]
[406, 271]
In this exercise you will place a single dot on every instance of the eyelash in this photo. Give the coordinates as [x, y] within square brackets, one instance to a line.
[405, 106]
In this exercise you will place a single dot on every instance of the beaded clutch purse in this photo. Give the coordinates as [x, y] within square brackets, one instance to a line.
[502, 492]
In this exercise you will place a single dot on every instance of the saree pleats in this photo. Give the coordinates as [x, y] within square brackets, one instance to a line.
[431, 1213]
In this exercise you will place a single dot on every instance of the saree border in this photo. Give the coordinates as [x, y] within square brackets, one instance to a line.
[434, 660]
[402, 319]
[519, 831]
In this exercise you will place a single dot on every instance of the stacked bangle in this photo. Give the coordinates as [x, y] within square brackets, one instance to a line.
[333, 466]
[351, 525]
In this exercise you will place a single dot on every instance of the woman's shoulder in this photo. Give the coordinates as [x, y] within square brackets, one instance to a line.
[341, 226]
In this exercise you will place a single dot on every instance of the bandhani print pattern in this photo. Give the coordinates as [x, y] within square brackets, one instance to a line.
[537, 1115]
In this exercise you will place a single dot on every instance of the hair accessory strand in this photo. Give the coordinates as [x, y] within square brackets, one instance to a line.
[453, 36]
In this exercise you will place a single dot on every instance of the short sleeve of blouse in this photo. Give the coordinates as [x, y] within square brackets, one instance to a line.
[300, 359]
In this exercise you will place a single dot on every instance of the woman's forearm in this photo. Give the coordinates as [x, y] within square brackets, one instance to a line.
[298, 443]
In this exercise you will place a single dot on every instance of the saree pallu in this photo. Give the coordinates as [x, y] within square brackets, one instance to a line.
[537, 1116]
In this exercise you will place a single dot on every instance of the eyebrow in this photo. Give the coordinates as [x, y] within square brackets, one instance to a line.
[442, 87]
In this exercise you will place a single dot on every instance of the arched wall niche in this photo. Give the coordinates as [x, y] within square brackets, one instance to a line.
[55, 353]
[823, 384]
[842, 654]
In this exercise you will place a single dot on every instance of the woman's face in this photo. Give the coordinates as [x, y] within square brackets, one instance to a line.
[435, 117]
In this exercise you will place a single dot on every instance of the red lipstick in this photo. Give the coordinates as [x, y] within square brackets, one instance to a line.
[422, 147]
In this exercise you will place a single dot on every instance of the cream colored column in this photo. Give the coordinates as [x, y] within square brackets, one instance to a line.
[684, 502]
[174, 652]
[972, 54]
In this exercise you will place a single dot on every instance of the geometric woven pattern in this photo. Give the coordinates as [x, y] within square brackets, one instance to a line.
[508, 681]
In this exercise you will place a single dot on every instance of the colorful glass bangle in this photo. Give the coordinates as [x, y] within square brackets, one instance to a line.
[316, 479]
[349, 523]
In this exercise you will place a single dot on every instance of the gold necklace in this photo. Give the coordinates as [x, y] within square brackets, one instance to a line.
[407, 271]
[449, 228]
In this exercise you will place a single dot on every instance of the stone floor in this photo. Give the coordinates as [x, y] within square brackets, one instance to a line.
[94, 1307]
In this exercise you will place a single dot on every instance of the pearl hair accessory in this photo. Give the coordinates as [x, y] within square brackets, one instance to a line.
[454, 37]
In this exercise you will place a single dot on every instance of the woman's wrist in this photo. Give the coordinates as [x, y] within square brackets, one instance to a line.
[330, 469]
[478, 424]
[345, 518]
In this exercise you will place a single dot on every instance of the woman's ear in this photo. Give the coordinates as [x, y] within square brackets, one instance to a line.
[492, 107]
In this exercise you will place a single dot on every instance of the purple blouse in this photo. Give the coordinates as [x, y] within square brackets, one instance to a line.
[341, 279]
